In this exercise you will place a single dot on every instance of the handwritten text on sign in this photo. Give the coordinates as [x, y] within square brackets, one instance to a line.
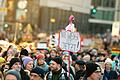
[69, 41]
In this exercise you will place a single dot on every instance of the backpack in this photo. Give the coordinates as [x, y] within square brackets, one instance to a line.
[71, 71]
[65, 74]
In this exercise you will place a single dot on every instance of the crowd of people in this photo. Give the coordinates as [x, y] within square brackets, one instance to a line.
[56, 64]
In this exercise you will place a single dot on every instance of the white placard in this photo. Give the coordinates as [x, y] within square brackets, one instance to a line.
[42, 45]
[69, 41]
[116, 29]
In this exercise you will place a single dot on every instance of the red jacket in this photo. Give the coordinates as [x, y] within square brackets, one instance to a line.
[119, 77]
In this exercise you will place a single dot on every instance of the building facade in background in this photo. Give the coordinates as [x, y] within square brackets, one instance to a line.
[51, 16]
[19, 14]
[104, 17]
[54, 14]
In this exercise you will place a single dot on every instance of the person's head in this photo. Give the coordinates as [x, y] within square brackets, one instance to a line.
[23, 53]
[15, 64]
[108, 64]
[41, 59]
[94, 52]
[79, 57]
[53, 53]
[27, 63]
[101, 56]
[6, 67]
[79, 65]
[65, 57]
[56, 64]
[93, 58]
[4, 55]
[17, 54]
[12, 75]
[93, 71]
[86, 58]
[2, 61]
[37, 74]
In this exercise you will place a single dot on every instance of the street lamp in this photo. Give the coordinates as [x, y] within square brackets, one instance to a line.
[6, 25]
[21, 10]
[22, 4]
[52, 21]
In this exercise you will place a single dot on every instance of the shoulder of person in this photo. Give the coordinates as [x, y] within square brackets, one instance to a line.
[47, 75]
[66, 74]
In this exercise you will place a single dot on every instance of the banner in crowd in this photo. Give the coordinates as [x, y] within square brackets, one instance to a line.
[116, 29]
[115, 52]
[69, 41]
[42, 45]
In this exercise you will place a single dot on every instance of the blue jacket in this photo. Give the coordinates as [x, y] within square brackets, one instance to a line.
[112, 75]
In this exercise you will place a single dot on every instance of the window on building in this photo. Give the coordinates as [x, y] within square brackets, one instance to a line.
[108, 3]
[104, 3]
[105, 15]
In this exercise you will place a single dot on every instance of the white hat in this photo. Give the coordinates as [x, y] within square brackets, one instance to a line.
[108, 60]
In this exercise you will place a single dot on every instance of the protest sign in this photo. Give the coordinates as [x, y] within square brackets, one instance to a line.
[116, 29]
[42, 45]
[69, 41]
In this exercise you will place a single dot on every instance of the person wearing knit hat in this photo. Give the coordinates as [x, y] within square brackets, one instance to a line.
[2, 60]
[79, 69]
[27, 63]
[15, 64]
[40, 62]
[37, 74]
[12, 75]
[23, 53]
[56, 71]
[65, 57]
[80, 62]
[108, 60]
[109, 73]
[93, 71]
[40, 56]
[58, 60]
